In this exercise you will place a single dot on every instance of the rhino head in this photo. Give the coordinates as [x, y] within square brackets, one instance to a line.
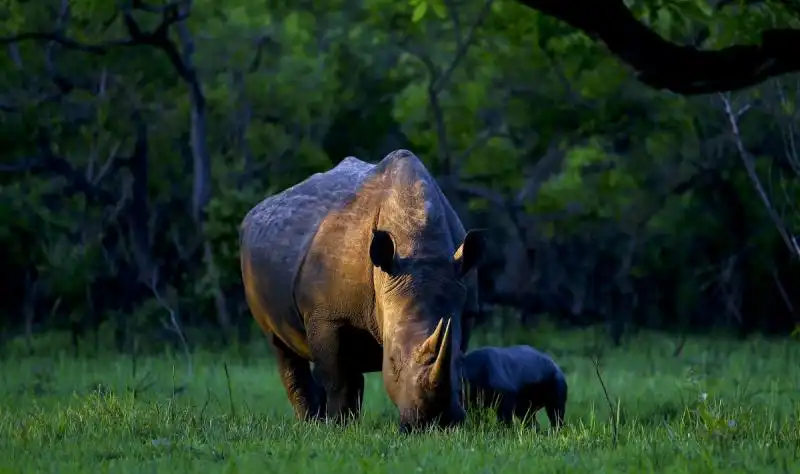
[419, 302]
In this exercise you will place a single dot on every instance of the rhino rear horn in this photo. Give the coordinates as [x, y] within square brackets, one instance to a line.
[440, 370]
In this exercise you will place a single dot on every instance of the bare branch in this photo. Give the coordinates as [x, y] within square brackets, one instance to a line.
[146, 7]
[171, 14]
[48, 162]
[262, 42]
[542, 170]
[749, 164]
[791, 131]
[478, 143]
[437, 80]
[243, 119]
[455, 16]
[172, 324]
[782, 290]
[58, 38]
[13, 51]
[465, 43]
[615, 419]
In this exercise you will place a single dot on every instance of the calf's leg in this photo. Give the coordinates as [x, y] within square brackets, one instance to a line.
[505, 409]
[555, 413]
[525, 409]
[556, 407]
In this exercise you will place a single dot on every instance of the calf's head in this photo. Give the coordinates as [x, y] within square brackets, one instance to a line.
[419, 303]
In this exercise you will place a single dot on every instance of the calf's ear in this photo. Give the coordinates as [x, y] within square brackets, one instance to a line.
[471, 251]
[382, 250]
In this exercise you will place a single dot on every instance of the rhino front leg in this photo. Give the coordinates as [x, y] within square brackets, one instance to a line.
[506, 408]
[296, 377]
[345, 397]
[526, 412]
[355, 396]
[338, 374]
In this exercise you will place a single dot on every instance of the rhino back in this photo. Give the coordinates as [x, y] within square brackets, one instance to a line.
[487, 368]
[275, 237]
[509, 368]
[529, 365]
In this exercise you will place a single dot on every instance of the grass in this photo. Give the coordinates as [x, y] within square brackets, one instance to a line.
[720, 406]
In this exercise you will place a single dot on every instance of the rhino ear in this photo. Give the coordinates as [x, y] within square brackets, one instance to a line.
[381, 250]
[469, 254]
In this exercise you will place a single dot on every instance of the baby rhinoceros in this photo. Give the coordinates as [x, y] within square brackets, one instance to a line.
[520, 379]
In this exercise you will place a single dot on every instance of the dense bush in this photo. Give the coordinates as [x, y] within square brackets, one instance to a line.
[128, 169]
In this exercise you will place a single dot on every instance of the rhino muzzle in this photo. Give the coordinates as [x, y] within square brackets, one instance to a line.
[434, 403]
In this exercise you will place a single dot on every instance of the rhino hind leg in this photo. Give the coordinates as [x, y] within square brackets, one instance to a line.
[301, 389]
[557, 405]
[555, 413]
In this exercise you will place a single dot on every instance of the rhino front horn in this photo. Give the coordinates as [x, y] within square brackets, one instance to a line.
[431, 343]
[439, 372]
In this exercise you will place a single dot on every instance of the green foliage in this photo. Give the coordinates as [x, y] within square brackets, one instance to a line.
[225, 213]
[290, 89]
[584, 193]
[421, 8]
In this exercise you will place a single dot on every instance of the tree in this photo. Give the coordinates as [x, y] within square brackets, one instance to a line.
[135, 136]
[684, 69]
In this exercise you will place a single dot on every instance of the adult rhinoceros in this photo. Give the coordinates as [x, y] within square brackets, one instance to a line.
[364, 268]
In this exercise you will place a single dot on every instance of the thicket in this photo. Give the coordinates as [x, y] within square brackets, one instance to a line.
[135, 139]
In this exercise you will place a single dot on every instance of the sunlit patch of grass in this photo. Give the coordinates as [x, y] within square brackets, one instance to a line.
[720, 406]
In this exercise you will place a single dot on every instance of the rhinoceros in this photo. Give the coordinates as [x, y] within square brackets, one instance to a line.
[519, 379]
[364, 268]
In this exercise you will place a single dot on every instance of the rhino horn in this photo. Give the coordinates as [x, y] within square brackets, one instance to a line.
[439, 371]
[428, 348]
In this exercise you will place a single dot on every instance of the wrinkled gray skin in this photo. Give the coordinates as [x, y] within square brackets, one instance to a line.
[519, 379]
[364, 268]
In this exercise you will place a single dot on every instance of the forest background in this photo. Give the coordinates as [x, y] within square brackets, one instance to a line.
[136, 137]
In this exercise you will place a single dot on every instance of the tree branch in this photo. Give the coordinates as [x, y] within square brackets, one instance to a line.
[437, 80]
[750, 166]
[173, 326]
[171, 14]
[662, 64]
[463, 46]
[47, 161]
[58, 38]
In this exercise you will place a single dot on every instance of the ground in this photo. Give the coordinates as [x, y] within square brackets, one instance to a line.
[718, 406]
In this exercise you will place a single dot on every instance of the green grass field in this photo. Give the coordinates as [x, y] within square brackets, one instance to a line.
[720, 406]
